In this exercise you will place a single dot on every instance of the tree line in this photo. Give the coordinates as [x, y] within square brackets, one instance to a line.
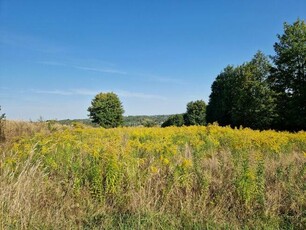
[106, 110]
[195, 115]
[263, 93]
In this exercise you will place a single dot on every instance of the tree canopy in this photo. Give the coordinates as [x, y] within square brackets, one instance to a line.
[221, 98]
[106, 110]
[174, 120]
[241, 95]
[288, 76]
[196, 113]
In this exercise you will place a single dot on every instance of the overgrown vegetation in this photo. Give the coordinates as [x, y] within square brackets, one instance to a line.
[151, 178]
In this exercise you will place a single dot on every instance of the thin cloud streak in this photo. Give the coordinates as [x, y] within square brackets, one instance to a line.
[52, 63]
[140, 95]
[146, 77]
[90, 92]
[113, 71]
[29, 42]
[156, 78]
[101, 70]
[55, 92]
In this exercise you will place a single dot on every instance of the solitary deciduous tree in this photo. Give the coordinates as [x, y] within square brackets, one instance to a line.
[106, 110]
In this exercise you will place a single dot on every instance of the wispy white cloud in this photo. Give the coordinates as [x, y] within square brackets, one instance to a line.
[140, 95]
[86, 68]
[102, 70]
[85, 92]
[53, 63]
[157, 78]
[141, 76]
[92, 92]
[29, 42]
[55, 92]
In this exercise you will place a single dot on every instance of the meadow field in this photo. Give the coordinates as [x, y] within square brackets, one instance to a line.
[198, 177]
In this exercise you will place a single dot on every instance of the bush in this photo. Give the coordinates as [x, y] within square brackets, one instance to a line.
[174, 120]
[148, 123]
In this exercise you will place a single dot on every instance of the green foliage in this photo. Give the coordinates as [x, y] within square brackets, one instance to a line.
[288, 78]
[241, 96]
[106, 110]
[2, 116]
[196, 113]
[2, 134]
[174, 120]
[260, 183]
[254, 104]
[223, 91]
[245, 183]
[260, 96]
[147, 122]
[72, 121]
[140, 120]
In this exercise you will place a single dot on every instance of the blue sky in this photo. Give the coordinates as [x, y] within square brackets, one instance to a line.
[156, 55]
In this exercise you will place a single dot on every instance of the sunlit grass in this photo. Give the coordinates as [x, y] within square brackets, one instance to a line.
[188, 177]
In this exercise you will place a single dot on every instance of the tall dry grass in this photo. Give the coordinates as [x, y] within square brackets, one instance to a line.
[29, 199]
[132, 179]
[13, 129]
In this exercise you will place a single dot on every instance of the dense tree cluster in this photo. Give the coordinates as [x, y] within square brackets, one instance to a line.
[261, 95]
[195, 115]
[174, 120]
[242, 96]
[288, 76]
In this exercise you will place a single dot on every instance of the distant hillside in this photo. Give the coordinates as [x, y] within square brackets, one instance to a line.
[154, 120]
[71, 121]
[141, 120]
